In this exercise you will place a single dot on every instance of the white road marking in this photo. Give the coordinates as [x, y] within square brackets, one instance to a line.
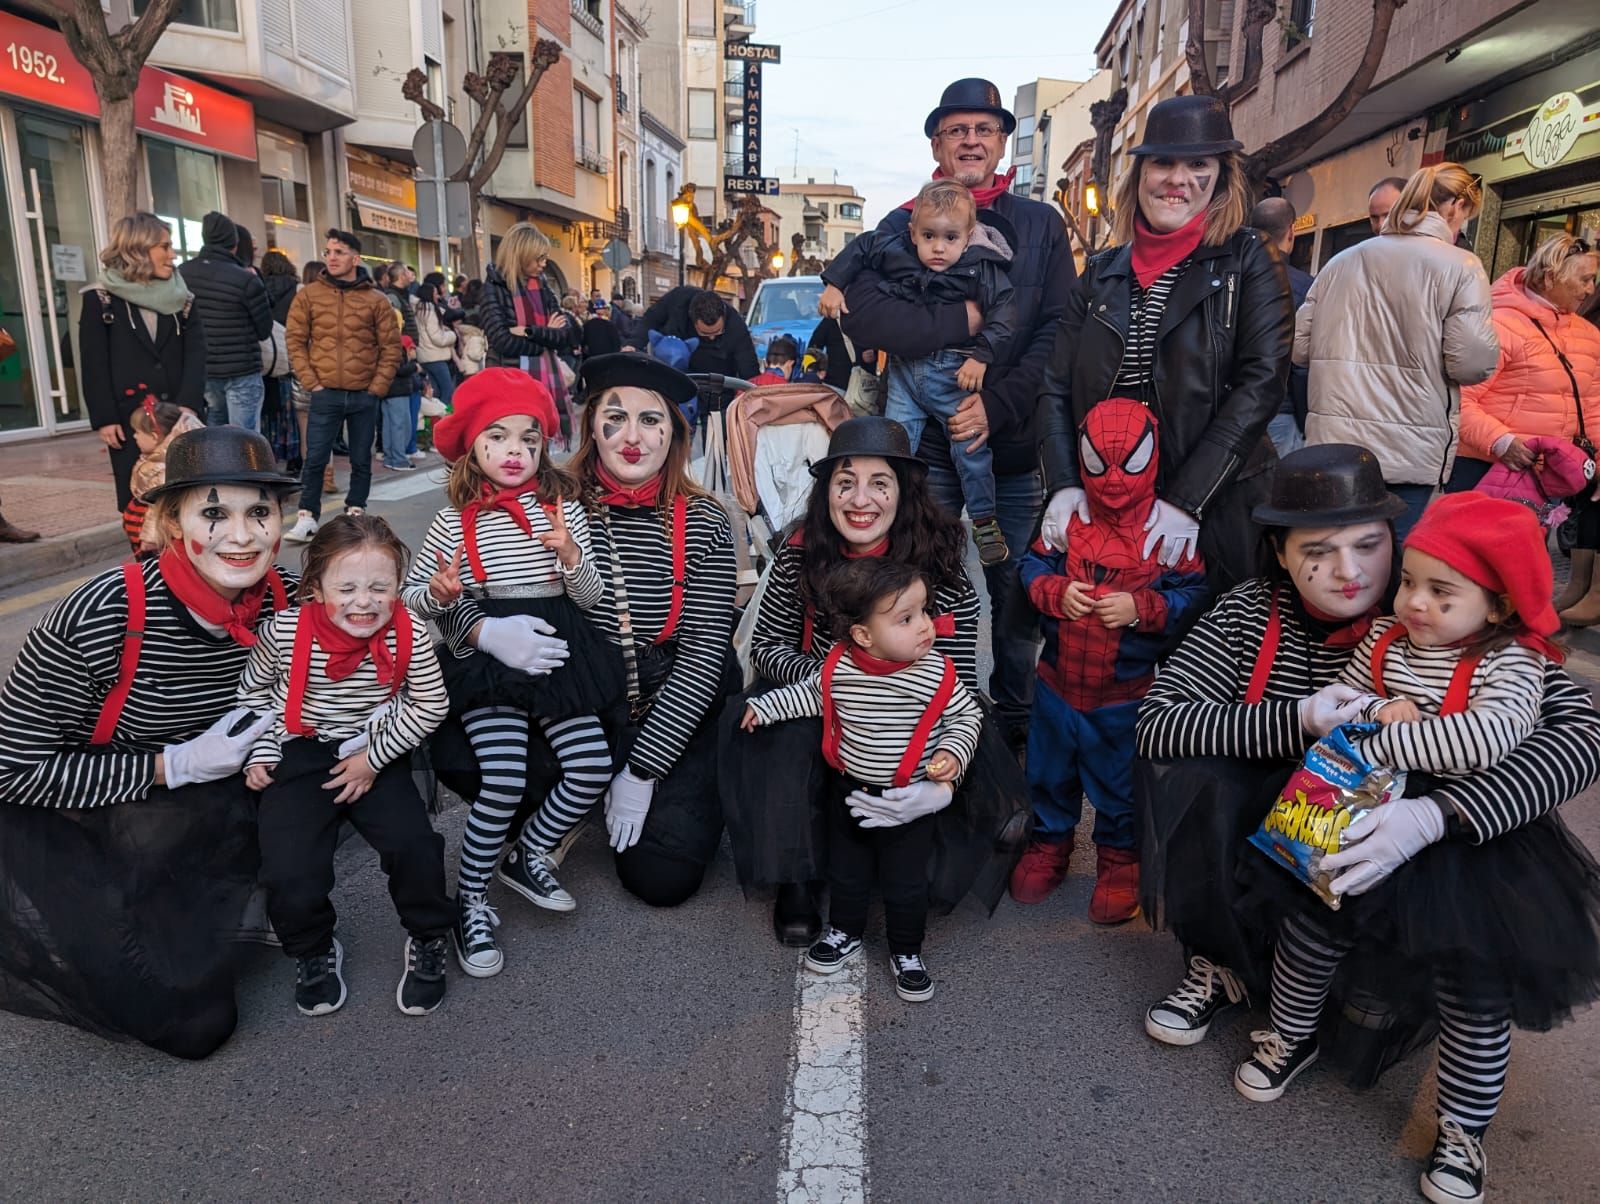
[408, 484]
[824, 1115]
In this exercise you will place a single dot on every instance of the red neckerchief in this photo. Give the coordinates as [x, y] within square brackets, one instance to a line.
[881, 548]
[1349, 634]
[985, 196]
[237, 616]
[506, 499]
[1154, 253]
[615, 493]
[875, 665]
[345, 654]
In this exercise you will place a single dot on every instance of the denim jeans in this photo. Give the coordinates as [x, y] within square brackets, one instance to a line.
[416, 413]
[926, 388]
[444, 384]
[236, 400]
[396, 421]
[1416, 498]
[1285, 435]
[1015, 628]
[330, 410]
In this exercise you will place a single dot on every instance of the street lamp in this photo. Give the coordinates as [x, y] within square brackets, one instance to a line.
[680, 219]
[1091, 198]
[777, 263]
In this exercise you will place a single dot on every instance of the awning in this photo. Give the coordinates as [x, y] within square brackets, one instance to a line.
[375, 216]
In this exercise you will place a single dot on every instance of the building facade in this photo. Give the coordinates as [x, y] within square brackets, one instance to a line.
[827, 213]
[1028, 106]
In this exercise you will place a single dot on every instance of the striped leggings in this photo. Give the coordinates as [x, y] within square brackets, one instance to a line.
[499, 737]
[1474, 1028]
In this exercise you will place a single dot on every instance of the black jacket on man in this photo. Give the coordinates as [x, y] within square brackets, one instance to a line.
[1042, 274]
[731, 353]
[232, 305]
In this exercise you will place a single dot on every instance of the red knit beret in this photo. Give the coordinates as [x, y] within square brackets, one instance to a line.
[486, 397]
[1497, 543]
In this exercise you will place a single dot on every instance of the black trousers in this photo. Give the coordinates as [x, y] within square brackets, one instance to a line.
[299, 829]
[897, 857]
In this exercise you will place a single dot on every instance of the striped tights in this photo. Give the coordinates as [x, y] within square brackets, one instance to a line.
[499, 737]
[1474, 1029]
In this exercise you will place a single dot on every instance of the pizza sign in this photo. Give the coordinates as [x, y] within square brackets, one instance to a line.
[1554, 128]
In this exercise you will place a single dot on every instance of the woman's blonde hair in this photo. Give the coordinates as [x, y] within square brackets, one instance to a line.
[1554, 259]
[522, 243]
[1428, 190]
[1230, 203]
[675, 479]
[467, 484]
[132, 239]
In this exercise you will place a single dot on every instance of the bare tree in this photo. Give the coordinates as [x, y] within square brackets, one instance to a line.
[114, 62]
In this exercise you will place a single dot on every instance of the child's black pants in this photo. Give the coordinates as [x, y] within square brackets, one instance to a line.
[897, 857]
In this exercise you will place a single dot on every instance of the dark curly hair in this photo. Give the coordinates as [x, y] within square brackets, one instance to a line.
[855, 589]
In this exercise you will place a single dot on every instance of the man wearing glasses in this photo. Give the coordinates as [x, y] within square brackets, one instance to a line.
[967, 133]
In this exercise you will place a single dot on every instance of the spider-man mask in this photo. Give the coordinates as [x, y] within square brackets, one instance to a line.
[1117, 456]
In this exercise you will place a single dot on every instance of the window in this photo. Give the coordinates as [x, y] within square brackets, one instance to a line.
[183, 189]
[1024, 142]
[850, 212]
[702, 113]
[586, 131]
[1302, 15]
[221, 15]
[519, 132]
[1024, 180]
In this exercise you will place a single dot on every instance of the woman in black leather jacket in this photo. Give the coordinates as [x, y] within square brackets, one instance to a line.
[1190, 315]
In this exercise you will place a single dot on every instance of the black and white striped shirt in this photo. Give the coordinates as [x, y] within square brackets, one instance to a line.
[49, 705]
[776, 644]
[1196, 709]
[1144, 318]
[395, 722]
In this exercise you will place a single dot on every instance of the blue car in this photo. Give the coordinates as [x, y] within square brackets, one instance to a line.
[786, 305]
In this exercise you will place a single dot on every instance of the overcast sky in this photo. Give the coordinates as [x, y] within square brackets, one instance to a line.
[859, 76]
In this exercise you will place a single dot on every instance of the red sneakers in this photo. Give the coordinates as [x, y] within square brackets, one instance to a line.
[1043, 867]
[1116, 886]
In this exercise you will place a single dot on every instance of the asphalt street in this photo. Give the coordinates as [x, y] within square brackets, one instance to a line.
[632, 1054]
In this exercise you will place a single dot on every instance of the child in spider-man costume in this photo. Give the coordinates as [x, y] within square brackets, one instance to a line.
[1107, 606]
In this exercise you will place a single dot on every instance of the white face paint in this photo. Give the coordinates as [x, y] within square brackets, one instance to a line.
[1172, 192]
[358, 589]
[508, 450]
[1339, 571]
[231, 534]
[633, 431]
[863, 498]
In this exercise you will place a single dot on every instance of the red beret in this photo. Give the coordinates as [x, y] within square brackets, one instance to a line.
[486, 397]
[1497, 543]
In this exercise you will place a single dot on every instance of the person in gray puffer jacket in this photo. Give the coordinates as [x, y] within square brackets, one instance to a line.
[1391, 330]
[236, 315]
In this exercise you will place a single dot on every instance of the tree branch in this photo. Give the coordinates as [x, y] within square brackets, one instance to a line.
[1194, 51]
[140, 38]
[545, 55]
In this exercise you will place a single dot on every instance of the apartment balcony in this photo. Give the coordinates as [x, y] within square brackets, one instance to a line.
[587, 13]
[660, 236]
[733, 97]
[733, 163]
[590, 158]
[620, 94]
[739, 18]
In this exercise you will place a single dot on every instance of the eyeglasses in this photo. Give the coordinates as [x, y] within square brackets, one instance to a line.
[1578, 247]
[958, 133]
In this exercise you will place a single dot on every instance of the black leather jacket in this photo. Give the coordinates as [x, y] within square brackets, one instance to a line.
[1221, 367]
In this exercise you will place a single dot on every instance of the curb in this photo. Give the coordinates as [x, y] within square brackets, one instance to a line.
[22, 563]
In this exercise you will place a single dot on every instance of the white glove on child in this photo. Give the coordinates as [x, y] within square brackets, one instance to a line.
[356, 743]
[1383, 840]
[1330, 706]
[899, 804]
[627, 804]
[1063, 504]
[213, 754]
[523, 642]
[1177, 531]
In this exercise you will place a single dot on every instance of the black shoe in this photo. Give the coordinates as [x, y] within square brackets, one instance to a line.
[421, 987]
[476, 949]
[1457, 1168]
[1183, 1017]
[796, 922]
[1267, 1073]
[911, 980]
[528, 873]
[830, 954]
[992, 549]
[319, 982]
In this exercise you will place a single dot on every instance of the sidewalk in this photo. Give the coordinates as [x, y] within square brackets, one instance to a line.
[61, 488]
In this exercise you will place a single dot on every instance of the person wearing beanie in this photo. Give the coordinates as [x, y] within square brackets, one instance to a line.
[235, 313]
[1453, 684]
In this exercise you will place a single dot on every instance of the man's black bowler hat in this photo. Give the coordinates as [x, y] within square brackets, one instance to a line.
[1188, 125]
[970, 96]
[1328, 485]
[869, 436]
[630, 369]
[221, 455]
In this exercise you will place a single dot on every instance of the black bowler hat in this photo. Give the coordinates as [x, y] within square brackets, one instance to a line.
[1188, 125]
[970, 96]
[221, 455]
[630, 369]
[1328, 485]
[870, 436]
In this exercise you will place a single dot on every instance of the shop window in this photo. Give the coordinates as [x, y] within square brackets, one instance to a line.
[1300, 257]
[220, 15]
[183, 189]
[1342, 238]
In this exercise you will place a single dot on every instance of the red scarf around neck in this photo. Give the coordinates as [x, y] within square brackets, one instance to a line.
[614, 493]
[237, 616]
[985, 196]
[506, 499]
[1154, 253]
[346, 651]
[875, 665]
[1344, 633]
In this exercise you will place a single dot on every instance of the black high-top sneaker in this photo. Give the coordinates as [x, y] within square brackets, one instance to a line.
[1183, 1017]
[527, 871]
[476, 949]
[1267, 1073]
[832, 951]
[1457, 1167]
[911, 980]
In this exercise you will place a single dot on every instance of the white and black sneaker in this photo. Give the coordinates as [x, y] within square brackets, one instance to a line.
[1457, 1168]
[305, 526]
[911, 980]
[1267, 1073]
[1183, 1017]
[422, 985]
[832, 951]
[319, 982]
[476, 949]
[527, 872]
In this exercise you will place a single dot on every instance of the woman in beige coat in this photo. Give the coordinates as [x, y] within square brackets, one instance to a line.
[1393, 328]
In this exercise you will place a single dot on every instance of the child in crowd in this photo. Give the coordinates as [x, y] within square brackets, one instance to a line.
[155, 425]
[1506, 920]
[782, 353]
[946, 256]
[813, 367]
[893, 713]
[1108, 608]
[353, 686]
[515, 519]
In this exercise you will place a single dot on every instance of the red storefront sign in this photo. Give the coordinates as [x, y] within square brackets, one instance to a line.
[35, 65]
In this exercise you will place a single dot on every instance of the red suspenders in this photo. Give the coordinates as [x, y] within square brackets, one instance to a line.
[912, 757]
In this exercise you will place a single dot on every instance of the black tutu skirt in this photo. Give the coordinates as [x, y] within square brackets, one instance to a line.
[590, 683]
[119, 919]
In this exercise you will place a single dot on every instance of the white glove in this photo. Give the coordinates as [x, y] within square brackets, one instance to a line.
[1330, 706]
[1063, 502]
[523, 642]
[627, 803]
[899, 804]
[356, 743]
[1383, 840]
[213, 754]
[1176, 530]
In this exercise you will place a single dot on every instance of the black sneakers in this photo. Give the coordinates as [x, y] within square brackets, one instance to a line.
[991, 543]
[476, 949]
[1267, 1073]
[832, 952]
[1183, 1017]
[911, 981]
[319, 982]
[421, 987]
[528, 873]
[1457, 1168]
